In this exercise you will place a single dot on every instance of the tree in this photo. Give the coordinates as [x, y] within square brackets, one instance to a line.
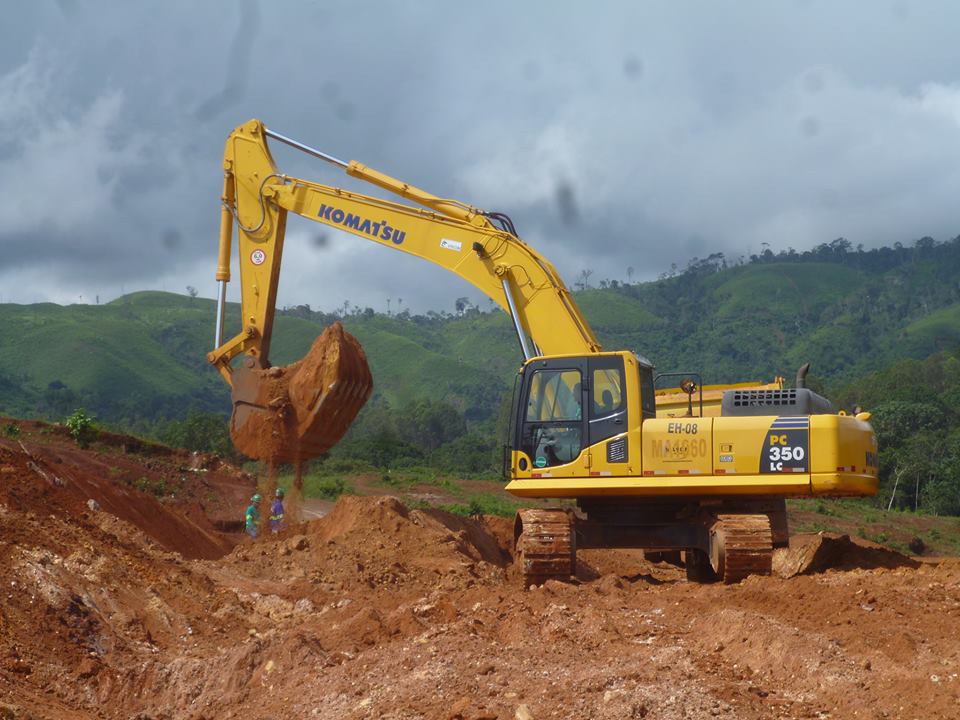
[191, 291]
[57, 399]
[81, 428]
[200, 431]
[431, 423]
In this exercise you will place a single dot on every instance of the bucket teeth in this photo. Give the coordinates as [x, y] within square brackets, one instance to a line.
[298, 412]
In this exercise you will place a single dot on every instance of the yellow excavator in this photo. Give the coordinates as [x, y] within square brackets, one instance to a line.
[709, 480]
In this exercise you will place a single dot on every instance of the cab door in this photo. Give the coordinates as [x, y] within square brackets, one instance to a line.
[607, 398]
[552, 427]
[608, 408]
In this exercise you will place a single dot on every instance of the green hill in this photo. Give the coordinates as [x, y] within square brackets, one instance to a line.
[141, 359]
[781, 289]
[940, 330]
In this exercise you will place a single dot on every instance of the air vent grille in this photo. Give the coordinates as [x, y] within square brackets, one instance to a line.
[617, 450]
[759, 398]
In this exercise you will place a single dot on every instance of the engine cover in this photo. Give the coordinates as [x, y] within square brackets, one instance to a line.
[789, 401]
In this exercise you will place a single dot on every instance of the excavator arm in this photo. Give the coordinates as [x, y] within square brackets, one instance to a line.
[462, 239]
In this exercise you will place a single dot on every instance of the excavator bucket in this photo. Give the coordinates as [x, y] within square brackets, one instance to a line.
[294, 413]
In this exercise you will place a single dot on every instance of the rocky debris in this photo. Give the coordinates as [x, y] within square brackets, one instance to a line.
[829, 551]
[379, 610]
[523, 713]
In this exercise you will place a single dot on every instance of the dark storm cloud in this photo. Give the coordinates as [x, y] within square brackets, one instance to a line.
[238, 64]
[617, 135]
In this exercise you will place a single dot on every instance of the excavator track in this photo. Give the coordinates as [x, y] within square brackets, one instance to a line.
[545, 545]
[740, 545]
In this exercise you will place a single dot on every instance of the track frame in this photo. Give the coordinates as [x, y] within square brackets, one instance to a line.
[720, 540]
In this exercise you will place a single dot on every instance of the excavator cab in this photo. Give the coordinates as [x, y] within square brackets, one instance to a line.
[566, 405]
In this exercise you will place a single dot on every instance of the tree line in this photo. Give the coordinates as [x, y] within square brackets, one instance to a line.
[916, 414]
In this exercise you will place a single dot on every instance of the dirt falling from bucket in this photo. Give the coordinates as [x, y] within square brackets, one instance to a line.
[267, 486]
[299, 411]
[293, 500]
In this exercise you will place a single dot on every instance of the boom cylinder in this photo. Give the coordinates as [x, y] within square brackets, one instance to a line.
[524, 340]
[221, 304]
[223, 253]
[226, 227]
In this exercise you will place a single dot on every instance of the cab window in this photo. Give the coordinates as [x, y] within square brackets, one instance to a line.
[554, 396]
[648, 399]
[552, 432]
[607, 391]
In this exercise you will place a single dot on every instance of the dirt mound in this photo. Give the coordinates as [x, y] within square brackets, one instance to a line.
[378, 542]
[380, 611]
[76, 481]
[810, 554]
[297, 412]
[85, 593]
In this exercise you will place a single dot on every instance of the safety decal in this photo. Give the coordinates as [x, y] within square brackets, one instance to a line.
[451, 244]
[258, 257]
[786, 446]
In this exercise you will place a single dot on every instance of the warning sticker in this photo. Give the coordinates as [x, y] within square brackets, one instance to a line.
[451, 244]
[258, 257]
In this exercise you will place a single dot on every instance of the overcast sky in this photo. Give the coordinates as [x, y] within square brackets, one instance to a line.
[615, 134]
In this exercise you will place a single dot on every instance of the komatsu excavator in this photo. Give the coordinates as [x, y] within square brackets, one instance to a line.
[584, 423]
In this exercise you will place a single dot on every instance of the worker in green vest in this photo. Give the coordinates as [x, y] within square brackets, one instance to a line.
[253, 516]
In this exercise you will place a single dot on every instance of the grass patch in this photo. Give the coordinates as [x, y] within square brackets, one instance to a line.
[808, 527]
[485, 504]
[408, 478]
[397, 481]
[864, 519]
[328, 487]
[154, 486]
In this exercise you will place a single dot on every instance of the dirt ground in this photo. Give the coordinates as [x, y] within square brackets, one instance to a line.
[138, 607]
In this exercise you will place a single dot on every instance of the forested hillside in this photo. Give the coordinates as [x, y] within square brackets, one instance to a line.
[845, 311]
[916, 414]
[442, 379]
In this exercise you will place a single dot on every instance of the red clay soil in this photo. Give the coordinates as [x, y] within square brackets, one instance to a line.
[297, 412]
[176, 497]
[377, 611]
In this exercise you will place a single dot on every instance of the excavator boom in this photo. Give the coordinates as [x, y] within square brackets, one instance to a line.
[270, 421]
